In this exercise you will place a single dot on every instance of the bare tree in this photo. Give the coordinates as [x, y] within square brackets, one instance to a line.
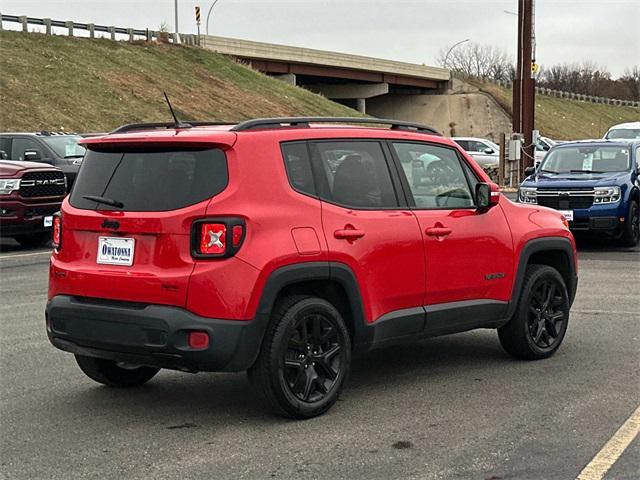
[590, 79]
[478, 61]
[631, 81]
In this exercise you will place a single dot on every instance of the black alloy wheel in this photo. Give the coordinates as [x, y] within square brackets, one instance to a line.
[546, 314]
[304, 359]
[312, 363]
[540, 321]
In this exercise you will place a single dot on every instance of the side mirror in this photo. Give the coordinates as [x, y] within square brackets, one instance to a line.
[31, 155]
[483, 196]
[529, 171]
[487, 195]
[488, 151]
[3, 155]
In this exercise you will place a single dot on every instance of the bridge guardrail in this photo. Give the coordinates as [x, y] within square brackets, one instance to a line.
[132, 33]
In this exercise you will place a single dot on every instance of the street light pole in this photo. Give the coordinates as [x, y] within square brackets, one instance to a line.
[446, 57]
[175, 6]
[209, 13]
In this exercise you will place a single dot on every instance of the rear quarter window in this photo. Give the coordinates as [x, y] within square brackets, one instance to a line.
[144, 180]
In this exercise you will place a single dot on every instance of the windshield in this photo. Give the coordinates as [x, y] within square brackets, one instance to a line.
[65, 146]
[625, 133]
[586, 159]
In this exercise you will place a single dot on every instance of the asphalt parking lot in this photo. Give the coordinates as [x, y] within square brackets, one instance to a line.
[454, 407]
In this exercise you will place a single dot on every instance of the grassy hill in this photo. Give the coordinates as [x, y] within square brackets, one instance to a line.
[565, 119]
[55, 82]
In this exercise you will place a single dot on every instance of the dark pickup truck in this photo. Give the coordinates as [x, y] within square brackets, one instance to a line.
[30, 193]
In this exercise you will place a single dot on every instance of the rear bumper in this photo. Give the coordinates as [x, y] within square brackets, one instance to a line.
[153, 335]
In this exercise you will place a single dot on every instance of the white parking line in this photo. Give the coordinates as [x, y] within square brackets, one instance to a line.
[2, 257]
[613, 449]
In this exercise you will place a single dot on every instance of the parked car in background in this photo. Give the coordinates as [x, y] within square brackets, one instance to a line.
[594, 183]
[483, 151]
[59, 149]
[181, 248]
[630, 131]
[30, 193]
[486, 152]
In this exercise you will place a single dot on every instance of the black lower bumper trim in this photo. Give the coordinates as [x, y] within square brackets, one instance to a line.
[153, 335]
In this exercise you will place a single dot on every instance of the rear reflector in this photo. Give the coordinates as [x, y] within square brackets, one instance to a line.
[198, 340]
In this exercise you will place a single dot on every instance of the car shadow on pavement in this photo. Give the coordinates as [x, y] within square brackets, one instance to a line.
[8, 245]
[177, 401]
[601, 244]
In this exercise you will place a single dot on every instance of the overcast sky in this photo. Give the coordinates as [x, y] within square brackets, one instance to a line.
[603, 31]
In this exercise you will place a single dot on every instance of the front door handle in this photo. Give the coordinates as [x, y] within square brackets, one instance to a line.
[438, 231]
[348, 234]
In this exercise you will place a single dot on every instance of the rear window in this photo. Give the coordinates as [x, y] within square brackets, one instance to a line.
[150, 181]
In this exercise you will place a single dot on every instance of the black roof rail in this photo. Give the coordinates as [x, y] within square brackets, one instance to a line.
[150, 126]
[288, 122]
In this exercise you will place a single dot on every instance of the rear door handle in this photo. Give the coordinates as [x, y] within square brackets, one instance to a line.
[438, 231]
[348, 234]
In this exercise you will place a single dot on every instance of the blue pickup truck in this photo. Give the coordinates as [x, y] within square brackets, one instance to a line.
[594, 183]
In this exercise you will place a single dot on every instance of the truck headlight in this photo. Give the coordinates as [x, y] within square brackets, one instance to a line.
[8, 186]
[606, 195]
[528, 195]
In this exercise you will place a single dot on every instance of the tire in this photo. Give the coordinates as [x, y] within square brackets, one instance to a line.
[109, 373]
[33, 240]
[631, 233]
[304, 359]
[542, 311]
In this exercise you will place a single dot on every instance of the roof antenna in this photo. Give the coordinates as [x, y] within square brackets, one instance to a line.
[177, 123]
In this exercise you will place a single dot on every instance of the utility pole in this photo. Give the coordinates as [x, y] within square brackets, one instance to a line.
[175, 6]
[524, 84]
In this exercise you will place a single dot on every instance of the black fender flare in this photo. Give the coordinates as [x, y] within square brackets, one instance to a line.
[337, 272]
[542, 245]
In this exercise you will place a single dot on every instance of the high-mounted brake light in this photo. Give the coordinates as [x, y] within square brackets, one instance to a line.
[217, 237]
[56, 231]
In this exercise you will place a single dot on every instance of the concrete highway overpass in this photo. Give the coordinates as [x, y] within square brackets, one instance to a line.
[353, 80]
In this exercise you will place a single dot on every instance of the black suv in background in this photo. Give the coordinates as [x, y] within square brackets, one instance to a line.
[59, 149]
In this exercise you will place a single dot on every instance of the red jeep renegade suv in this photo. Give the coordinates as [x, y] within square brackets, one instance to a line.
[283, 246]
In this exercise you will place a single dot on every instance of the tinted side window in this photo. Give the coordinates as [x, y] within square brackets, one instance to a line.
[478, 146]
[353, 174]
[20, 145]
[435, 176]
[464, 144]
[298, 166]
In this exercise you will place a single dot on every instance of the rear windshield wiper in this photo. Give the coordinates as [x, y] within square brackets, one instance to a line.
[585, 171]
[104, 200]
[75, 156]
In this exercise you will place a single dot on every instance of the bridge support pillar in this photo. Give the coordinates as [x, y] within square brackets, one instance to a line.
[289, 78]
[361, 105]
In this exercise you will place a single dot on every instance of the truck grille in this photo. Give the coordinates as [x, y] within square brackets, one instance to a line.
[565, 199]
[43, 184]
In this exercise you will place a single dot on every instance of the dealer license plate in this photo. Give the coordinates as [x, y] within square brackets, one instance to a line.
[116, 250]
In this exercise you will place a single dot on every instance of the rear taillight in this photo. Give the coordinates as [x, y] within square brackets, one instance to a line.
[56, 231]
[217, 237]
